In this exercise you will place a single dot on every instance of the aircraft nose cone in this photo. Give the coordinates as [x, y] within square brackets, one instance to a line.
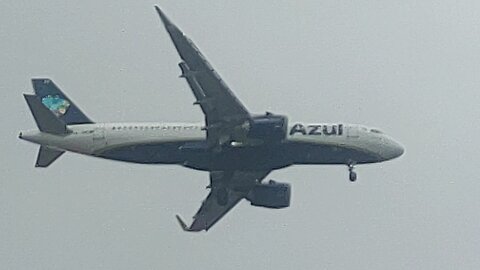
[398, 149]
[395, 150]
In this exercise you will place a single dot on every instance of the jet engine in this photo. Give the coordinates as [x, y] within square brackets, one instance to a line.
[271, 195]
[268, 127]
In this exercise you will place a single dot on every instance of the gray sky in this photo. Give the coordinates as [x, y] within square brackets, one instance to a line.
[409, 67]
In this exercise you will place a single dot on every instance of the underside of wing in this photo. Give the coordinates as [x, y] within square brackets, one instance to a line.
[226, 190]
[223, 111]
[211, 211]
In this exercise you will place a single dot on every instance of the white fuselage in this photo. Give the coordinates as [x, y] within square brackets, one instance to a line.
[99, 138]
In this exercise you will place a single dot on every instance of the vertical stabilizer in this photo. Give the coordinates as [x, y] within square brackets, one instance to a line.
[54, 99]
[46, 120]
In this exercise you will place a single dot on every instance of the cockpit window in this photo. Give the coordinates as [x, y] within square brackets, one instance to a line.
[374, 130]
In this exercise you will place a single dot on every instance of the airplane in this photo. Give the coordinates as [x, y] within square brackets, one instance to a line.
[238, 149]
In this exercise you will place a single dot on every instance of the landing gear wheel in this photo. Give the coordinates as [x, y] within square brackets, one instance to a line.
[222, 196]
[353, 176]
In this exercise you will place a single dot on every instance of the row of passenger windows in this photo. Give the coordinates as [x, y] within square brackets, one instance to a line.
[155, 127]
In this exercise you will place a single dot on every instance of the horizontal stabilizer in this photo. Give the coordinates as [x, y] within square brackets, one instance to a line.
[45, 119]
[47, 156]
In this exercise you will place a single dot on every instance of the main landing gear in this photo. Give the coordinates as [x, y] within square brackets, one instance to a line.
[352, 174]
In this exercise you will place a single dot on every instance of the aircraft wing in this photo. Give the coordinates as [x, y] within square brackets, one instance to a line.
[223, 111]
[236, 184]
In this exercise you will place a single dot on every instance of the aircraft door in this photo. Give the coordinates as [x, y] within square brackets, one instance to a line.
[99, 136]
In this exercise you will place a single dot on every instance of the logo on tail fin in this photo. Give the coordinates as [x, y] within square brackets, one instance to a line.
[56, 104]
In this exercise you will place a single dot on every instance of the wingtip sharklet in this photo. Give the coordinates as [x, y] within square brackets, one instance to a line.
[182, 224]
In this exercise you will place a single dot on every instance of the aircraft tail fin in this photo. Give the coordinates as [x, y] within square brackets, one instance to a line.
[54, 99]
[47, 156]
[45, 119]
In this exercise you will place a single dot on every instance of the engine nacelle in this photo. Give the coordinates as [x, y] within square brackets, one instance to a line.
[268, 127]
[271, 195]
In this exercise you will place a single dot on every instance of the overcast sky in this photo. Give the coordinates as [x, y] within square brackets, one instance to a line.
[411, 68]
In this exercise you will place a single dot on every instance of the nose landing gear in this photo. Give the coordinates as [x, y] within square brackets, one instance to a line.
[352, 174]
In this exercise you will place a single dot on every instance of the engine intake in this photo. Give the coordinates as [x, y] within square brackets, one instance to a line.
[268, 127]
[271, 195]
